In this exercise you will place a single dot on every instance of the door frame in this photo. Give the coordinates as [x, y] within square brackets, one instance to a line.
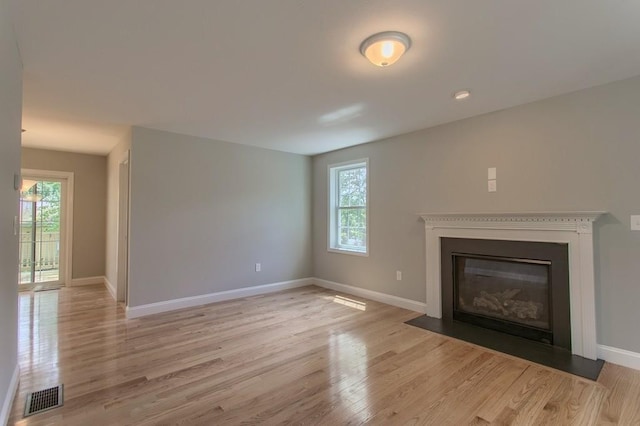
[66, 221]
[122, 245]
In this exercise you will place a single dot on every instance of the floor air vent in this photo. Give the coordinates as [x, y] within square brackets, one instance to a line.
[43, 400]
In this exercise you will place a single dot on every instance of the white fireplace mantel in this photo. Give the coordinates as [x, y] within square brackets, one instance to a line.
[572, 228]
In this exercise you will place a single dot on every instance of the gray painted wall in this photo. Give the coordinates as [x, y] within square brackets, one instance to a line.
[114, 159]
[204, 212]
[89, 203]
[574, 152]
[10, 121]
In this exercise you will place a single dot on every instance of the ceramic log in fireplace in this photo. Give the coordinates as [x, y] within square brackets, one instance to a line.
[516, 287]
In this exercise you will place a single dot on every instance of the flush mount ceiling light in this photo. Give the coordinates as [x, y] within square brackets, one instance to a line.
[462, 94]
[383, 49]
[26, 186]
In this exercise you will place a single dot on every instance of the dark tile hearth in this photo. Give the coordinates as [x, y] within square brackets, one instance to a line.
[540, 353]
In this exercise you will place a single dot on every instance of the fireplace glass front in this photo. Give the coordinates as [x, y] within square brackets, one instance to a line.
[511, 291]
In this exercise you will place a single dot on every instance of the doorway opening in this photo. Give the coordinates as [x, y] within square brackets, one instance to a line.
[44, 229]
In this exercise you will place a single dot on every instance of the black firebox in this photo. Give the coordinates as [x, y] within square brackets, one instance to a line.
[516, 287]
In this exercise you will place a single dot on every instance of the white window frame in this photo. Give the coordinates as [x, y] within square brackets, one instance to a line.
[332, 228]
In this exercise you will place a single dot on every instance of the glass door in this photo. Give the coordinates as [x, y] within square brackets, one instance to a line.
[40, 232]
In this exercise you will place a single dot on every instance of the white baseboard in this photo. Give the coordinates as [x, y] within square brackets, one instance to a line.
[619, 356]
[87, 281]
[11, 393]
[111, 288]
[400, 302]
[205, 299]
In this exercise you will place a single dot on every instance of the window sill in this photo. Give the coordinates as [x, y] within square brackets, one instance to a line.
[346, 251]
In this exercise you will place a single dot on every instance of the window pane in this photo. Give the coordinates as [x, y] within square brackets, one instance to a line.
[356, 237]
[359, 235]
[343, 217]
[352, 227]
[352, 217]
[344, 188]
[344, 236]
[357, 218]
[352, 187]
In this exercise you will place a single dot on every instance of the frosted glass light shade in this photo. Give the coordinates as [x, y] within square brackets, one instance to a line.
[27, 185]
[383, 49]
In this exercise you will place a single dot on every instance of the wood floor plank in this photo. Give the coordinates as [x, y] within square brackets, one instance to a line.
[575, 402]
[532, 391]
[302, 356]
[622, 404]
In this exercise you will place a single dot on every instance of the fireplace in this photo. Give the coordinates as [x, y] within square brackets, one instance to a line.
[574, 230]
[516, 287]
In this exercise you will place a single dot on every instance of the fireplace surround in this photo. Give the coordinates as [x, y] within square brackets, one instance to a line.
[573, 229]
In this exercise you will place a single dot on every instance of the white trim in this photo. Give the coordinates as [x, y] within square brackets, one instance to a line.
[122, 232]
[87, 281]
[619, 356]
[399, 302]
[11, 394]
[550, 221]
[351, 252]
[110, 288]
[205, 299]
[67, 219]
[68, 247]
[572, 228]
[332, 169]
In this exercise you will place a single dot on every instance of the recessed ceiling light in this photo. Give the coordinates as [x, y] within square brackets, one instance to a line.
[462, 94]
[383, 49]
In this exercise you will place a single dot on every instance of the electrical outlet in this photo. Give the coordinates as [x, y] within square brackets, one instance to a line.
[635, 222]
[258, 267]
[399, 275]
[492, 186]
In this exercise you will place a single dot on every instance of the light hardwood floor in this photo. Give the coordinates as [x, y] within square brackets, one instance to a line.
[305, 356]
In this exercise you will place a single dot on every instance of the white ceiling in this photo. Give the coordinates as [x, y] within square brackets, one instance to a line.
[287, 74]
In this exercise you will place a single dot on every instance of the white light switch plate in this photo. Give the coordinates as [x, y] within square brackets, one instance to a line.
[635, 222]
[492, 186]
[491, 173]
